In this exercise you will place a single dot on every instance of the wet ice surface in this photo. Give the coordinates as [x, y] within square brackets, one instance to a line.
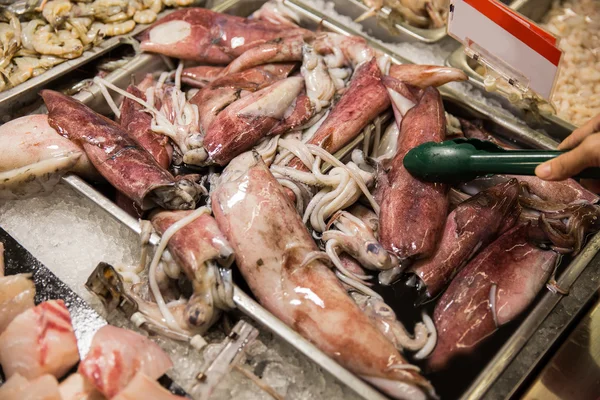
[70, 236]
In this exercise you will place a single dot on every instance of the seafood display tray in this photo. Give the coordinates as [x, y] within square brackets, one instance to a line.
[86, 321]
[25, 93]
[495, 369]
[534, 10]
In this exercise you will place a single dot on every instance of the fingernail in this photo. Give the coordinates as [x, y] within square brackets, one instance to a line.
[544, 170]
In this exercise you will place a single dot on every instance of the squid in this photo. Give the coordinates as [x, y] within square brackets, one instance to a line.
[364, 100]
[493, 289]
[119, 158]
[201, 75]
[423, 76]
[225, 90]
[139, 125]
[270, 111]
[271, 244]
[207, 37]
[413, 212]
[35, 157]
[197, 248]
[470, 226]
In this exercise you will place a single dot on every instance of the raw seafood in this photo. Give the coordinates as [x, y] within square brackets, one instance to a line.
[76, 387]
[423, 76]
[271, 245]
[469, 227]
[208, 37]
[18, 388]
[39, 341]
[16, 296]
[116, 355]
[139, 125]
[35, 157]
[493, 289]
[413, 212]
[196, 248]
[131, 169]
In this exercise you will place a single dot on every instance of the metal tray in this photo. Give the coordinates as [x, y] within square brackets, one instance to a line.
[534, 10]
[145, 63]
[25, 93]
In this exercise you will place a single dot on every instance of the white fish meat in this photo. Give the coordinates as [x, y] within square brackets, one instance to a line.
[76, 387]
[142, 387]
[16, 296]
[19, 388]
[116, 355]
[39, 341]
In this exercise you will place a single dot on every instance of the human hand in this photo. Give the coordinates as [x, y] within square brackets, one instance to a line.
[584, 143]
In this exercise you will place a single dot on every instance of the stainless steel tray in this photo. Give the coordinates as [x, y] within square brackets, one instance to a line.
[400, 32]
[24, 94]
[146, 63]
[534, 10]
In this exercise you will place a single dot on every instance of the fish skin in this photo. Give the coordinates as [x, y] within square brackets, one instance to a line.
[413, 212]
[39, 341]
[470, 226]
[116, 355]
[215, 38]
[270, 242]
[464, 317]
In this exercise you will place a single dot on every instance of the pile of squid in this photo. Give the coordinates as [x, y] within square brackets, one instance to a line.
[280, 149]
[37, 35]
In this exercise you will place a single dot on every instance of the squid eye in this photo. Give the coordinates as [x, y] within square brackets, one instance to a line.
[373, 248]
[383, 310]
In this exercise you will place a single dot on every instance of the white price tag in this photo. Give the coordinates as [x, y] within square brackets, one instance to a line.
[520, 51]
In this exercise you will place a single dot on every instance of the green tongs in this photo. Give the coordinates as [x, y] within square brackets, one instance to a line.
[462, 160]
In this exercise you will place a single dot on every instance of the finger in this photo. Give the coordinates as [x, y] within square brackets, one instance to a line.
[579, 134]
[587, 154]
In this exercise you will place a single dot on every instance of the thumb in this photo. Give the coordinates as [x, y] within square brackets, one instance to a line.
[570, 163]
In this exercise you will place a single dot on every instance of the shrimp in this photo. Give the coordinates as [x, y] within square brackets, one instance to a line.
[144, 16]
[117, 28]
[62, 43]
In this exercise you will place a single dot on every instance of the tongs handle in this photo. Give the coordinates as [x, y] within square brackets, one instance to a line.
[520, 162]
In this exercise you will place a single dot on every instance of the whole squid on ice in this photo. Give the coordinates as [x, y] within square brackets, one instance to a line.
[413, 212]
[270, 111]
[471, 225]
[201, 75]
[423, 76]
[194, 247]
[209, 37]
[493, 289]
[225, 90]
[271, 245]
[139, 125]
[35, 157]
[119, 158]
[365, 99]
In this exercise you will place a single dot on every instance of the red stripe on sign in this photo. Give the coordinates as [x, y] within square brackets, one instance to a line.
[526, 31]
